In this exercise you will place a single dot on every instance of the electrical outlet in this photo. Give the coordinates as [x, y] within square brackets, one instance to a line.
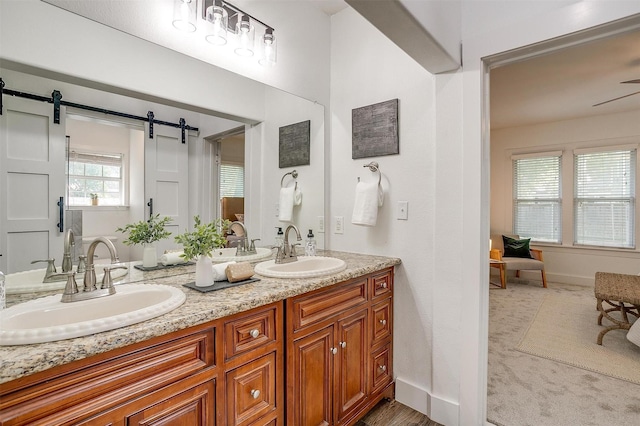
[403, 210]
[277, 209]
[339, 225]
[320, 223]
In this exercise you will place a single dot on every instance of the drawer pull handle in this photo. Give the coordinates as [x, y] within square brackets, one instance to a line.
[343, 345]
[383, 367]
[254, 333]
[334, 350]
[383, 321]
[382, 285]
[255, 393]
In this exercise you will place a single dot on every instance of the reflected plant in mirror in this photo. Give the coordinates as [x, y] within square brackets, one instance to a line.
[204, 238]
[146, 231]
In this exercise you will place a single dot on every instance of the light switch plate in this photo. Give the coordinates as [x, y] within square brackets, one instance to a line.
[403, 210]
[277, 209]
[320, 223]
[339, 225]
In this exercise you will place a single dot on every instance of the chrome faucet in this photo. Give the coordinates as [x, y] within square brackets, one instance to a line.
[51, 274]
[243, 248]
[287, 253]
[90, 272]
[69, 242]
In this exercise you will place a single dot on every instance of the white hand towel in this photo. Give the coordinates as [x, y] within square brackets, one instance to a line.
[172, 258]
[297, 196]
[220, 271]
[369, 196]
[287, 200]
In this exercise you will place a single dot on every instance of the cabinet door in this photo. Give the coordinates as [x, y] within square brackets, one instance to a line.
[351, 379]
[310, 379]
[251, 391]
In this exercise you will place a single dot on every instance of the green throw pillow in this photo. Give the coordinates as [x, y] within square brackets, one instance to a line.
[516, 248]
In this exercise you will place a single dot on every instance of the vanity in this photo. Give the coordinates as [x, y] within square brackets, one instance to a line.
[302, 351]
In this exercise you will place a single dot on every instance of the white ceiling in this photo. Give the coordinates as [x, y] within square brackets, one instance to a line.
[561, 85]
[567, 83]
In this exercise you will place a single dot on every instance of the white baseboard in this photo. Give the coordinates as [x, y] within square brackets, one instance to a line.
[437, 409]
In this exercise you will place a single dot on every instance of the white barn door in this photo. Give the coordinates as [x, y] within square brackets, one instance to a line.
[166, 180]
[32, 175]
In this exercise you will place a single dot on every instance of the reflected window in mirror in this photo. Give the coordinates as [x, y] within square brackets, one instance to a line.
[95, 179]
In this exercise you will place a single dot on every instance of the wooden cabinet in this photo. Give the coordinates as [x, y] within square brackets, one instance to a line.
[231, 371]
[339, 343]
[226, 372]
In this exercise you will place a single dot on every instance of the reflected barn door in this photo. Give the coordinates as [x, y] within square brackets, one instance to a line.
[32, 175]
[166, 181]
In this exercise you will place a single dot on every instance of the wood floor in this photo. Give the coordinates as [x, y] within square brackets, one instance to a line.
[392, 413]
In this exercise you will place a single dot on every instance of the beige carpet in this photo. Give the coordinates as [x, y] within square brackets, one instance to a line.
[529, 390]
[565, 330]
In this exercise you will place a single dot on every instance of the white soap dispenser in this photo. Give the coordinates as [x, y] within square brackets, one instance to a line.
[310, 246]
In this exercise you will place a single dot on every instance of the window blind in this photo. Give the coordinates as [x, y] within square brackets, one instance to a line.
[604, 203]
[537, 202]
[231, 180]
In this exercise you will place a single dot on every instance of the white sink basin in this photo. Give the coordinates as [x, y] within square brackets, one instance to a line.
[31, 281]
[304, 267]
[48, 319]
[229, 254]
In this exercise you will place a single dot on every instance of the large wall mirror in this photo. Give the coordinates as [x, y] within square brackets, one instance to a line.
[114, 157]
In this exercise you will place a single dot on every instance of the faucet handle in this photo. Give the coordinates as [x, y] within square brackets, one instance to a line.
[252, 248]
[51, 265]
[82, 264]
[70, 288]
[107, 282]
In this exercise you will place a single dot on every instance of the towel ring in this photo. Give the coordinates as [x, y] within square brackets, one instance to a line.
[374, 167]
[293, 174]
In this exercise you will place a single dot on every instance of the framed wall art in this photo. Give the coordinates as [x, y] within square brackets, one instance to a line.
[293, 146]
[375, 130]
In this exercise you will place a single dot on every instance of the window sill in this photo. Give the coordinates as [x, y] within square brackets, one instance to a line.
[604, 251]
[98, 208]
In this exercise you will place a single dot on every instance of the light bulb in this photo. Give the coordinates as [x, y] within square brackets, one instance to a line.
[184, 15]
[269, 48]
[219, 18]
[246, 35]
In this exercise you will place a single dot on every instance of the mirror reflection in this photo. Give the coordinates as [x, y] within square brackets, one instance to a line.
[112, 172]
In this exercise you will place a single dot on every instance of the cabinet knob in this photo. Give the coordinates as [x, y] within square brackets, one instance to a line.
[254, 333]
[343, 345]
[382, 367]
[382, 285]
[383, 321]
[255, 393]
[334, 350]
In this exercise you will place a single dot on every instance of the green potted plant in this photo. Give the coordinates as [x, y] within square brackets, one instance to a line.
[145, 233]
[94, 199]
[200, 243]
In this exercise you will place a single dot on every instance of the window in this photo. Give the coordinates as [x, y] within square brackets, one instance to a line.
[537, 205]
[93, 173]
[231, 180]
[604, 203]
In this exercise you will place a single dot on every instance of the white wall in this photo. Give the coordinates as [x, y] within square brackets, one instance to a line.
[367, 68]
[565, 263]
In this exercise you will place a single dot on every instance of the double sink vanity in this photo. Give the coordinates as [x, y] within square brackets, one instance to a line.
[291, 348]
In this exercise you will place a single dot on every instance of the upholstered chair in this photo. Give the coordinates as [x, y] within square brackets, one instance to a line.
[523, 259]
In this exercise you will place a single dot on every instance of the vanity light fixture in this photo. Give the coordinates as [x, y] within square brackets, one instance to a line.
[227, 24]
[184, 15]
[246, 36]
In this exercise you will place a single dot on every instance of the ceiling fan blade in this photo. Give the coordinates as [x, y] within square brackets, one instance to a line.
[631, 81]
[615, 99]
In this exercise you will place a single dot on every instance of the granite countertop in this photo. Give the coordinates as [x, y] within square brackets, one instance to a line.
[23, 360]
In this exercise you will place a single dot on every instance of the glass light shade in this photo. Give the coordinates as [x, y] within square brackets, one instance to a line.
[219, 19]
[184, 15]
[269, 48]
[246, 36]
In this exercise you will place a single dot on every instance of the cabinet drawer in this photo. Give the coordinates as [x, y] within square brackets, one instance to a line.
[101, 385]
[311, 309]
[381, 315]
[381, 284]
[248, 332]
[381, 373]
[251, 390]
